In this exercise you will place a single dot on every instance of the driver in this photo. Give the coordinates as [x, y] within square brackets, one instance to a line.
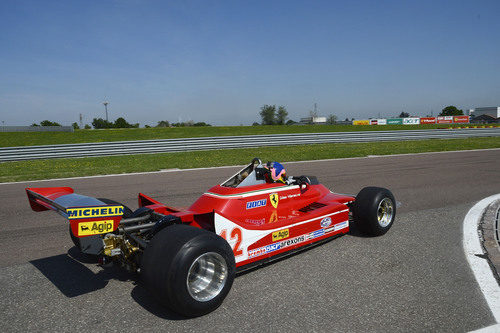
[276, 173]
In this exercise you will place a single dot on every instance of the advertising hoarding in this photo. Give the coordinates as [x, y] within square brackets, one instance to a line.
[361, 122]
[428, 120]
[445, 120]
[411, 121]
[395, 121]
[461, 119]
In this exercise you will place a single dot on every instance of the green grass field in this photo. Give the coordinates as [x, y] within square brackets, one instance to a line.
[75, 167]
[12, 139]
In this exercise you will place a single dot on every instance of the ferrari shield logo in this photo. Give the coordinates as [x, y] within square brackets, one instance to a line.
[274, 198]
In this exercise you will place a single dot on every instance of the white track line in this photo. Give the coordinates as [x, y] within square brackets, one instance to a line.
[234, 166]
[490, 329]
[480, 267]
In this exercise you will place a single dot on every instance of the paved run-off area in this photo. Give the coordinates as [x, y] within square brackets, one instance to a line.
[415, 278]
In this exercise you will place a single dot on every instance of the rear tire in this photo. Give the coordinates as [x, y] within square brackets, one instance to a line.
[374, 210]
[189, 270]
[127, 212]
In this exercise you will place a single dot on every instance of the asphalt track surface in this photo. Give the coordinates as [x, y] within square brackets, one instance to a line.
[415, 278]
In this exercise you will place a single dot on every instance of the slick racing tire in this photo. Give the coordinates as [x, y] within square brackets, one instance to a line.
[189, 270]
[374, 210]
[126, 213]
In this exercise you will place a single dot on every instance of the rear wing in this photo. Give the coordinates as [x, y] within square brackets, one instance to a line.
[87, 216]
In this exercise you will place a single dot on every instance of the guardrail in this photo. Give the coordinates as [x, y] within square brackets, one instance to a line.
[37, 129]
[225, 142]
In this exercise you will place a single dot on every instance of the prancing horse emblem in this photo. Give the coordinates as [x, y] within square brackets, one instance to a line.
[274, 198]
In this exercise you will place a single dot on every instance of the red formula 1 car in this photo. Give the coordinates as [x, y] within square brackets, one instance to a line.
[188, 258]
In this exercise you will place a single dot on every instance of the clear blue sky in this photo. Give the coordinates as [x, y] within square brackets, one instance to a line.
[219, 61]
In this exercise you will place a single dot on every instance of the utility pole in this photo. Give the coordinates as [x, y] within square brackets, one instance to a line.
[81, 121]
[106, 108]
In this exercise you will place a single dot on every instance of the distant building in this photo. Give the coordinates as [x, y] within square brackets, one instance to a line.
[493, 111]
[485, 119]
[313, 120]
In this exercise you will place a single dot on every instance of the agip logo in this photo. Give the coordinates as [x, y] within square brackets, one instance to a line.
[274, 198]
[95, 227]
[281, 234]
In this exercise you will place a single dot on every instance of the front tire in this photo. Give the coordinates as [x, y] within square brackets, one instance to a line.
[189, 270]
[374, 210]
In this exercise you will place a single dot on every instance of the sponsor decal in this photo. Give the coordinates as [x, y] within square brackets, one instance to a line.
[325, 222]
[95, 227]
[292, 241]
[315, 234]
[327, 230]
[274, 217]
[256, 221]
[290, 196]
[256, 203]
[338, 226]
[257, 252]
[272, 247]
[88, 212]
[274, 198]
[280, 234]
[275, 246]
[341, 225]
[264, 250]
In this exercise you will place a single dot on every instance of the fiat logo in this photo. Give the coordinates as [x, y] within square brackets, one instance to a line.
[326, 222]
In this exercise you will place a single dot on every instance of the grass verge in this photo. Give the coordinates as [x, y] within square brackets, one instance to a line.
[13, 139]
[75, 167]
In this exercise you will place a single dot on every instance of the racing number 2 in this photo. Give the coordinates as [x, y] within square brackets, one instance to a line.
[235, 236]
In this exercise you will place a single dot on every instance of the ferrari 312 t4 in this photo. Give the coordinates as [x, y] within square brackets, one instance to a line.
[188, 258]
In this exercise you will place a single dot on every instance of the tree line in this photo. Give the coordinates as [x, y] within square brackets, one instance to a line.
[270, 115]
[447, 111]
[99, 123]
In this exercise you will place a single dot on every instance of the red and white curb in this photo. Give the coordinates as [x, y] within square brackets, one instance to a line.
[480, 267]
